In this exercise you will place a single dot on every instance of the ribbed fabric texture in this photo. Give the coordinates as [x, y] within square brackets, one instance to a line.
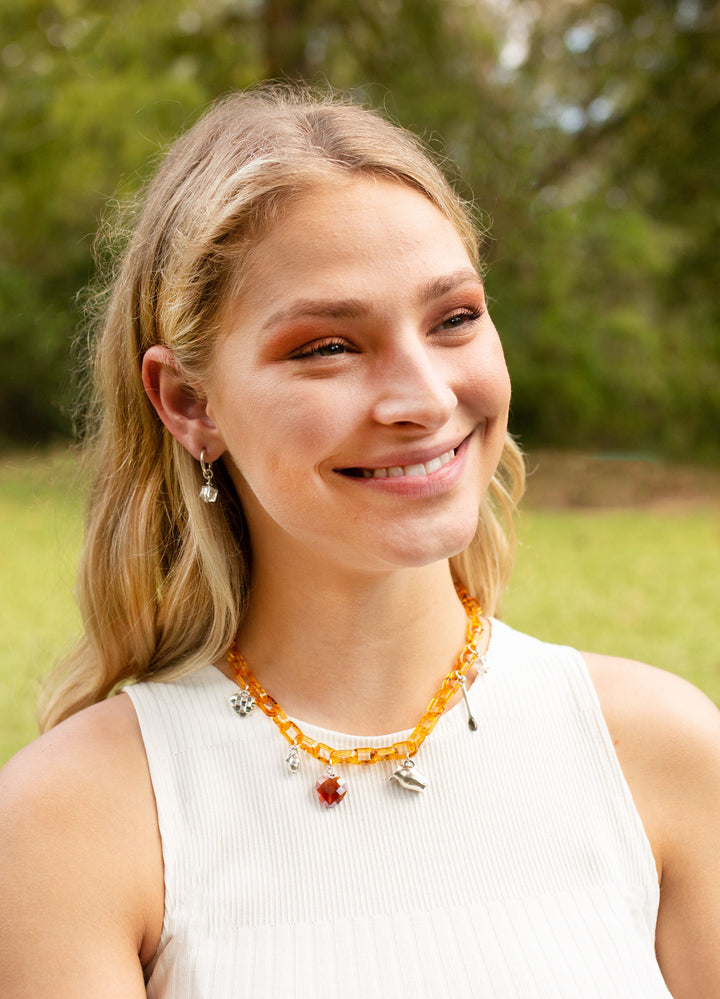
[521, 872]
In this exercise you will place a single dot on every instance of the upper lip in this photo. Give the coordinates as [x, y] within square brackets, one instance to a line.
[419, 456]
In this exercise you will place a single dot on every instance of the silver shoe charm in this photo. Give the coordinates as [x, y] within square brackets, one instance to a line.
[408, 777]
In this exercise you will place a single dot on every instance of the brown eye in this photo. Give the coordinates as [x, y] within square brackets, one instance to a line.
[459, 319]
[328, 349]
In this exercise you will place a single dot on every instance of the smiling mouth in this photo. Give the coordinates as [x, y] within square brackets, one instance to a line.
[398, 471]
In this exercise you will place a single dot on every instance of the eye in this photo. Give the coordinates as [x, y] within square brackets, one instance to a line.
[460, 318]
[328, 349]
[324, 348]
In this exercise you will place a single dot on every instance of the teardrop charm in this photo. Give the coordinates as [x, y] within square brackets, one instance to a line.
[472, 724]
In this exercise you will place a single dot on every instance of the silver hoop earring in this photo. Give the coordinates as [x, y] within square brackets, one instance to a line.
[208, 493]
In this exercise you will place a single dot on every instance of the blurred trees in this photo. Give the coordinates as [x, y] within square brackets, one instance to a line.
[616, 312]
[589, 133]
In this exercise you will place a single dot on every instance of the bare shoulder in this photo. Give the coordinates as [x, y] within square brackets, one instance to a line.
[89, 766]
[667, 737]
[80, 858]
[657, 716]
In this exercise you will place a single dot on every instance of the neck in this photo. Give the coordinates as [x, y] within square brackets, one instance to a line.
[360, 655]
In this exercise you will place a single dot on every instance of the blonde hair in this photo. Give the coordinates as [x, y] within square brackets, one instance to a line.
[163, 578]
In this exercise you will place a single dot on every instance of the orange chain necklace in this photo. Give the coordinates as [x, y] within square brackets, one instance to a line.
[331, 789]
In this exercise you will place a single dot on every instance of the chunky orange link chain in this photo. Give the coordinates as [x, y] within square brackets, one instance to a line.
[367, 754]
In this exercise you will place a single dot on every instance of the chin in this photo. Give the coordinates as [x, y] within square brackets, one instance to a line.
[435, 545]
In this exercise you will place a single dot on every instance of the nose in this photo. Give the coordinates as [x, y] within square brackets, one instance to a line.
[412, 386]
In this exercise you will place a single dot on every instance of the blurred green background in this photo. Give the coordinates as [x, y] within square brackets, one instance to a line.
[588, 134]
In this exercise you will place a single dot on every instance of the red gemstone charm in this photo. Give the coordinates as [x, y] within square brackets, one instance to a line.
[331, 790]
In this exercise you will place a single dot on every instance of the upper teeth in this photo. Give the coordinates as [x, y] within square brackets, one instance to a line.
[395, 471]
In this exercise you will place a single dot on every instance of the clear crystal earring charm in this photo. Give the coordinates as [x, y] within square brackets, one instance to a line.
[208, 493]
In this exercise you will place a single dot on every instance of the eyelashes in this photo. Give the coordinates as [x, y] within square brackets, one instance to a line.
[456, 322]
[461, 317]
[332, 347]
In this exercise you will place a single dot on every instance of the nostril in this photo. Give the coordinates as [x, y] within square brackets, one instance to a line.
[429, 407]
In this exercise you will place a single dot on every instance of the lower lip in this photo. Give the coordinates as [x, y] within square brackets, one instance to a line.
[433, 484]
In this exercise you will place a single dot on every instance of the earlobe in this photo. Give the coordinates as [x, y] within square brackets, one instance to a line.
[183, 411]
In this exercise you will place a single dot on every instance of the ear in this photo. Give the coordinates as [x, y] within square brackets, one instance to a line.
[183, 411]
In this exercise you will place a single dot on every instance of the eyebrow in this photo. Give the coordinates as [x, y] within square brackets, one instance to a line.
[441, 286]
[354, 308]
[347, 308]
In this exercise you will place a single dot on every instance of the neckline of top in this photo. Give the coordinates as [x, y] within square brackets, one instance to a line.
[344, 740]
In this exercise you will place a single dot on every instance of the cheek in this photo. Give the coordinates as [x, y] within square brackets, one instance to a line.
[489, 386]
[275, 437]
[503, 387]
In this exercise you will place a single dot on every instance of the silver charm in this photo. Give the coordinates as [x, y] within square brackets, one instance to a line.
[293, 759]
[472, 724]
[208, 493]
[243, 703]
[407, 777]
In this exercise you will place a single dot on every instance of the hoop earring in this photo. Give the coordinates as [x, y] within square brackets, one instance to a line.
[208, 493]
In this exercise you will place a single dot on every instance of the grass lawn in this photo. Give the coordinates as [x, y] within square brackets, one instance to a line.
[40, 513]
[642, 580]
[638, 583]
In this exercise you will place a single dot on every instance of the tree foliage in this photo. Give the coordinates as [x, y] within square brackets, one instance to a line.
[588, 131]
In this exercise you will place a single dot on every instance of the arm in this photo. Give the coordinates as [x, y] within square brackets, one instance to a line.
[80, 861]
[688, 930]
[667, 737]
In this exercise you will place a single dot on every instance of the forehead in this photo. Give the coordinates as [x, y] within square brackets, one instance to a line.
[358, 235]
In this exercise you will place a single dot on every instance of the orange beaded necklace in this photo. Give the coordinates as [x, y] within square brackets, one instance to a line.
[332, 788]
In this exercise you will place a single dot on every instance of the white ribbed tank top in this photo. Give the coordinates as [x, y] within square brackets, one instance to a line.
[521, 872]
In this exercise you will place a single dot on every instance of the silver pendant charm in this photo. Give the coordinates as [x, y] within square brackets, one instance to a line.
[208, 493]
[407, 777]
[472, 724]
[293, 760]
[243, 703]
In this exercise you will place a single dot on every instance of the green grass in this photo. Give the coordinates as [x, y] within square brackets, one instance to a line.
[40, 513]
[634, 582]
[631, 582]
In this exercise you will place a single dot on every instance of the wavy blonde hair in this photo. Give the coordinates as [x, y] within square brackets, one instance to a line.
[163, 579]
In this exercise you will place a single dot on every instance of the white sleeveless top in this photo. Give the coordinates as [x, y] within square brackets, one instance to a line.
[521, 872]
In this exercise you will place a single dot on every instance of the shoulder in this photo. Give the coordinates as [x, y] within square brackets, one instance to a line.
[667, 737]
[94, 758]
[657, 717]
[79, 846]
[665, 731]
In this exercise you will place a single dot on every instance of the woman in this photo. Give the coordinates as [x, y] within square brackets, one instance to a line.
[301, 407]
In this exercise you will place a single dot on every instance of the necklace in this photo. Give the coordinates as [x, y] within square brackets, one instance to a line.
[331, 789]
